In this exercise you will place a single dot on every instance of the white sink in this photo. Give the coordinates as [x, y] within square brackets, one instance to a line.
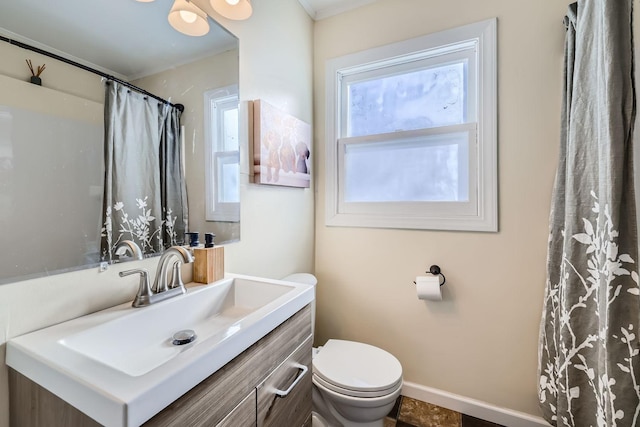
[140, 341]
[119, 366]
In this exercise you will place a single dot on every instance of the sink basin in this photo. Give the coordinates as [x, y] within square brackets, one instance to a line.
[121, 367]
[142, 340]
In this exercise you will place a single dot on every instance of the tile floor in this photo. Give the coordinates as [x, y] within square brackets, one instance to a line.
[410, 412]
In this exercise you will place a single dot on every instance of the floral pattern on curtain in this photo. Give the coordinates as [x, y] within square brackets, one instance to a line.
[145, 192]
[589, 358]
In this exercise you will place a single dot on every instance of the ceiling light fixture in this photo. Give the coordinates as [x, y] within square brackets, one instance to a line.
[188, 18]
[237, 10]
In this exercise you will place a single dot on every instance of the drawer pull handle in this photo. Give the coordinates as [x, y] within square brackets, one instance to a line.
[303, 370]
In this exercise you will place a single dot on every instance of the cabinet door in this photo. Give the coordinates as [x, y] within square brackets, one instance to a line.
[284, 397]
[243, 415]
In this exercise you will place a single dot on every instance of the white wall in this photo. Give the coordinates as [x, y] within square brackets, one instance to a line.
[481, 341]
[277, 223]
[277, 234]
[35, 123]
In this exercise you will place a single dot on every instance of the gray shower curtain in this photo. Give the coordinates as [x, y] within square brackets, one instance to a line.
[589, 362]
[145, 191]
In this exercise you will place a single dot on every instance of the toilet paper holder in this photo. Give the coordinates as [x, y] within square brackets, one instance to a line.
[435, 270]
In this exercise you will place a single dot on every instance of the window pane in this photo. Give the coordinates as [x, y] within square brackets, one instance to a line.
[415, 100]
[227, 172]
[228, 189]
[429, 169]
[230, 130]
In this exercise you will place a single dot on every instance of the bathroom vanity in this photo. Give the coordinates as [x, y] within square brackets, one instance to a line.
[266, 383]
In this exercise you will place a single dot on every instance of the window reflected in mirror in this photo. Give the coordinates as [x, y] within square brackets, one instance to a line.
[222, 151]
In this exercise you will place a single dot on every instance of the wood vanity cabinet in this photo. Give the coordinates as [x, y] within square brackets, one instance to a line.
[241, 393]
[242, 415]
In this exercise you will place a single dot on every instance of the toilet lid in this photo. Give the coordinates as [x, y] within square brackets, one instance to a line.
[357, 367]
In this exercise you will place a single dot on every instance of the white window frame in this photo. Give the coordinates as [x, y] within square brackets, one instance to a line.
[480, 212]
[214, 105]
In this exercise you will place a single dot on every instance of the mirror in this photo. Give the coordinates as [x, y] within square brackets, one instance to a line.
[51, 135]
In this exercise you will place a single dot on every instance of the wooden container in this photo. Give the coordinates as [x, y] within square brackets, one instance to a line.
[208, 265]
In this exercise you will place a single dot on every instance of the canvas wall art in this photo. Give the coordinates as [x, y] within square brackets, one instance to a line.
[282, 147]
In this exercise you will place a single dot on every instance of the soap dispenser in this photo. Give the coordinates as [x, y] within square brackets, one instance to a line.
[192, 240]
[208, 266]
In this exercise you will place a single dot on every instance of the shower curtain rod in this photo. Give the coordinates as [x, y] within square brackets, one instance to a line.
[91, 70]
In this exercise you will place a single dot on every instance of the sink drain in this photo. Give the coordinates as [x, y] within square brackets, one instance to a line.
[184, 337]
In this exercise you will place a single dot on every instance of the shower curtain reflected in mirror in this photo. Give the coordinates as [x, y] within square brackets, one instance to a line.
[589, 362]
[145, 196]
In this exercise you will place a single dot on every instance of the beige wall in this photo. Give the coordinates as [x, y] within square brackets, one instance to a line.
[277, 223]
[481, 341]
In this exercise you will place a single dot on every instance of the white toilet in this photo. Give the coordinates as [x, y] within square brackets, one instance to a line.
[354, 384]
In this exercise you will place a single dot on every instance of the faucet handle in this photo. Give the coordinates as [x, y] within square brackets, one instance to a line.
[144, 290]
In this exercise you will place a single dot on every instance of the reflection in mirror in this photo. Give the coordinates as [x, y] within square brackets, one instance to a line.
[145, 197]
[51, 136]
[222, 190]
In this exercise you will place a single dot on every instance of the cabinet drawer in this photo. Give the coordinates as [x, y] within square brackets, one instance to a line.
[284, 397]
[243, 415]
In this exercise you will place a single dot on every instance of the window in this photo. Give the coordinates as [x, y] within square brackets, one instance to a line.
[412, 140]
[222, 155]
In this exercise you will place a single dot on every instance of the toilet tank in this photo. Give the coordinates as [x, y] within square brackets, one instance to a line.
[307, 279]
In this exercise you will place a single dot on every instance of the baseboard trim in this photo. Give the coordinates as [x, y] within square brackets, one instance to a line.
[475, 408]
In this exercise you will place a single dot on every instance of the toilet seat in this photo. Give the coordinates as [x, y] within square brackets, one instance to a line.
[318, 381]
[356, 369]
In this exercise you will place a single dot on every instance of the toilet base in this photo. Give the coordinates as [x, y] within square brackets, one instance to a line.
[317, 420]
[325, 415]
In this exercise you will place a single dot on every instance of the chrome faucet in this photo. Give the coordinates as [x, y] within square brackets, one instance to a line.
[160, 284]
[161, 289]
[129, 246]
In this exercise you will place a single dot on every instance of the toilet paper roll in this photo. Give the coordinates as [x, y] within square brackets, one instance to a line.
[428, 288]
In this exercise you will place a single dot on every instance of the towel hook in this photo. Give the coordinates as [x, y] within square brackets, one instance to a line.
[435, 270]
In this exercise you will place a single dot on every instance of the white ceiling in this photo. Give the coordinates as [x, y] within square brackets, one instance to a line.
[124, 38]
